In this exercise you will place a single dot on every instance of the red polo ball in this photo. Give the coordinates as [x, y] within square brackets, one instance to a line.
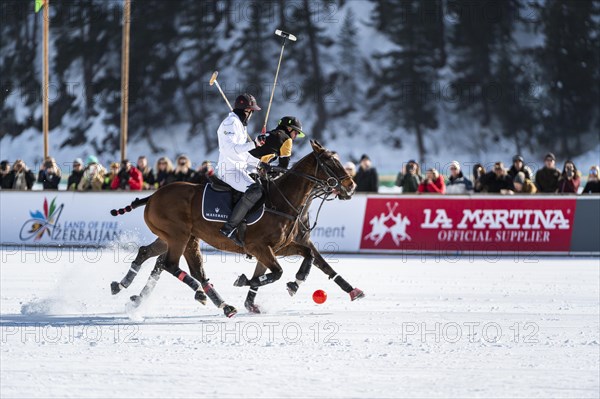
[319, 296]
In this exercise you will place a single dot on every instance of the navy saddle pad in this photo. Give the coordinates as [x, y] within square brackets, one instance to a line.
[217, 206]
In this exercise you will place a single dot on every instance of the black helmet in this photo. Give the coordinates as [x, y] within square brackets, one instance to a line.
[245, 101]
[292, 122]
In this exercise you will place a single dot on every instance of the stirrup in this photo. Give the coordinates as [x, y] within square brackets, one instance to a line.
[232, 235]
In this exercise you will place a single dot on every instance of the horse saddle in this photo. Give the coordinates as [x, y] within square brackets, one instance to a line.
[218, 201]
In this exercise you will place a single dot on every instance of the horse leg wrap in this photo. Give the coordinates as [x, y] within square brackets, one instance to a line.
[264, 279]
[251, 295]
[339, 280]
[249, 302]
[304, 270]
[214, 296]
[187, 279]
[151, 283]
[128, 279]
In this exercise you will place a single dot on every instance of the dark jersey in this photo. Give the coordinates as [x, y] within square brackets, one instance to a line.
[277, 144]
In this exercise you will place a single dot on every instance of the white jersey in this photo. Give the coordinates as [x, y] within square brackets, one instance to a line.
[235, 162]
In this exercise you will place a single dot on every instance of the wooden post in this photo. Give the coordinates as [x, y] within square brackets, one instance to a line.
[45, 77]
[125, 77]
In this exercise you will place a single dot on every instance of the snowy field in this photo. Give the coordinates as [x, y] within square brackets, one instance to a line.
[468, 327]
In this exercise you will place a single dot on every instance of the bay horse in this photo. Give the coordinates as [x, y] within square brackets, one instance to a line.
[181, 228]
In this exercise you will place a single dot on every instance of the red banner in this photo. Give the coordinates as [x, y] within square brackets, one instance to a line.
[468, 224]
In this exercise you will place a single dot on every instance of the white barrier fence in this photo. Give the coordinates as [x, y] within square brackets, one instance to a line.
[366, 223]
[60, 218]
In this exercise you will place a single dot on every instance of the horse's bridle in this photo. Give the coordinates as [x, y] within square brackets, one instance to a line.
[323, 189]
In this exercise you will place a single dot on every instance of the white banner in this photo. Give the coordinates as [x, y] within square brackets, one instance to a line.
[69, 218]
[72, 218]
[339, 224]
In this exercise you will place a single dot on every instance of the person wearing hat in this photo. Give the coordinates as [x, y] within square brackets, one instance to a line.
[457, 182]
[518, 165]
[279, 141]
[523, 185]
[235, 161]
[366, 178]
[546, 178]
[76, 175]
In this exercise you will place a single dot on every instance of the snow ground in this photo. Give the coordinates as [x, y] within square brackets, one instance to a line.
[466, 327]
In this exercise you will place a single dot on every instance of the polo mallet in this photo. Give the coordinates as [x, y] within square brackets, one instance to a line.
[285, 36]
[213, 80]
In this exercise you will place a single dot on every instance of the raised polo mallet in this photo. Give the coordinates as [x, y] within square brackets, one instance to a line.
[213, 80]
[285, 36]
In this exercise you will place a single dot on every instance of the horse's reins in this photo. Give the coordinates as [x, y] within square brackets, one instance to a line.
[323, 189]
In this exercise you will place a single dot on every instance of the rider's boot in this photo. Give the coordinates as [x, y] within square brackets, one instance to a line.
[241, 209]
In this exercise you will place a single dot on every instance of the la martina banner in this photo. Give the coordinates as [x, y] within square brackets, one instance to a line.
[468, 224]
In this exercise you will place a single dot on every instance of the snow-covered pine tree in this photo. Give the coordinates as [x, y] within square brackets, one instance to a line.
[407, 74]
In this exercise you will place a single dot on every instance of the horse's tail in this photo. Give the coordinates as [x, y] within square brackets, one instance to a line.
[135, 204]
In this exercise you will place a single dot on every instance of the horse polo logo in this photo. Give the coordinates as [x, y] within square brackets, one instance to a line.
[380, 227]
[41, 222]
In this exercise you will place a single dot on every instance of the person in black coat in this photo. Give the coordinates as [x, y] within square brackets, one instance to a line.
[546, 178]
[519, 166]
[497, 181]
[76, 175]
[183, 170]
[49, 174]
[20, 177]
[366, 178]
[4, 171]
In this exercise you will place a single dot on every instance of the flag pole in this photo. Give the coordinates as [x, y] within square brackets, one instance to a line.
[125, 77]
[45, 77]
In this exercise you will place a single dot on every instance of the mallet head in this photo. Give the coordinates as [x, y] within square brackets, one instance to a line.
[213, 78]
[286, 35]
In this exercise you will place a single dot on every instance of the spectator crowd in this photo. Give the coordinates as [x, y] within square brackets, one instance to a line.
[517, 179]
[91, 175]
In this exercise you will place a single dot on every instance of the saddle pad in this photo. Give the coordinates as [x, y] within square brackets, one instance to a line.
[216, 206]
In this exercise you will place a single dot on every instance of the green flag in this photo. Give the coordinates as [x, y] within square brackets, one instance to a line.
[39, 4]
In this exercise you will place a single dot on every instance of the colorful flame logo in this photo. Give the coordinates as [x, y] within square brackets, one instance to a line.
[41, 223]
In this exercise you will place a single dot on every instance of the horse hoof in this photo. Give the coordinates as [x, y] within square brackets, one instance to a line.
[229, 311]
[115, 288]
[136, 299]
[356, 294]
[252, 308]
[241, 281]
[292, 288]
[200, 297]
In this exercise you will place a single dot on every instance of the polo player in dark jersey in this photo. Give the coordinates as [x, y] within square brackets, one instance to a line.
[279, 142]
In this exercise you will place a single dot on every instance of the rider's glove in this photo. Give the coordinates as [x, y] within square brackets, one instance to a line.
[260, 140]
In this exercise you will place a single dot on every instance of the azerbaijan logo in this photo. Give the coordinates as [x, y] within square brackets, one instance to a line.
[41, 223]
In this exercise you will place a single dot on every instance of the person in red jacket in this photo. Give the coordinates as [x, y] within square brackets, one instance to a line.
[128, 178]
[433, 183]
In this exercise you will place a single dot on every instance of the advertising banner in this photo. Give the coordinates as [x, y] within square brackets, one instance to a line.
[67, 218]
[509, 224]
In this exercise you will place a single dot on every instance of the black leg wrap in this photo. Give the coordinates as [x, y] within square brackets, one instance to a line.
[251, 295]
[304, 269]
[213, 294]
[264, 279]
[339, 280]
[133, 271]
[187, 279]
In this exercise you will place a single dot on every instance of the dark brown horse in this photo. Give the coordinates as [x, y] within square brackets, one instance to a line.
[279, 232]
